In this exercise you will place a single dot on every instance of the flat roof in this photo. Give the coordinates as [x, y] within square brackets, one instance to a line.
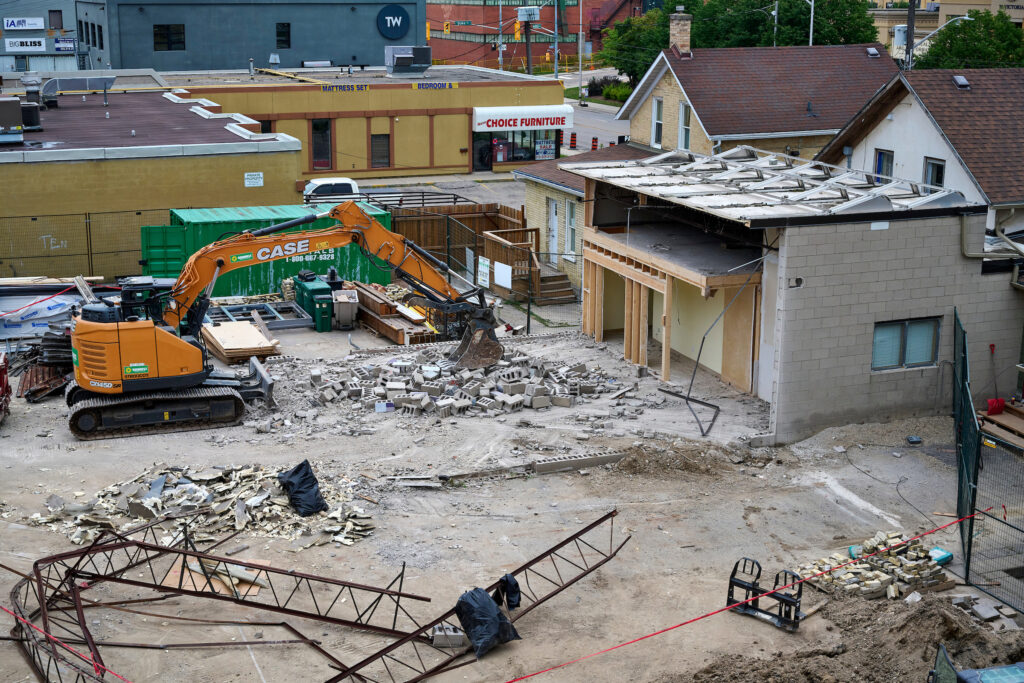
[767, 189]
[140, 124]
[692, 250]
[340, 76]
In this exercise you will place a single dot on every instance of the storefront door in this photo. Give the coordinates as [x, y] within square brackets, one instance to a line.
[482, 152]
[553, 231]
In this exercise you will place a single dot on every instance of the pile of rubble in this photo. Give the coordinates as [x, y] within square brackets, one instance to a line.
[230, 498]
[427, 383]
[890, 565]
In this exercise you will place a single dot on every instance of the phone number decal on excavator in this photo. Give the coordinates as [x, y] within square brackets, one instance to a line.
[287, 249]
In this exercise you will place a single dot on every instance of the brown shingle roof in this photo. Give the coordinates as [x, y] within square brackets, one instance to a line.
[766, 89]
[984, 124]
[548, 171]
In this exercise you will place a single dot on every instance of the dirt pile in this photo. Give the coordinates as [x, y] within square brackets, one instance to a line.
[881, 642]
[681, 456]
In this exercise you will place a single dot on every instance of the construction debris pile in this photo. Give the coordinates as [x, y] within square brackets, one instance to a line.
[427, 383]
[900, 567]
[997, 616]
[234, 498]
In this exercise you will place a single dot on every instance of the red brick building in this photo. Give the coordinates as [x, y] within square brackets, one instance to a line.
[476, 42]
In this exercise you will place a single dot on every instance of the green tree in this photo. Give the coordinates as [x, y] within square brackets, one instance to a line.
[988, 41]
[631, 46]
[748, 23]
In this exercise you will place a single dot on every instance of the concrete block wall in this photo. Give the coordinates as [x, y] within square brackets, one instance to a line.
[851, 277]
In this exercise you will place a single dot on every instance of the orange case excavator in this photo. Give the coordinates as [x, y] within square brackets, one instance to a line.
[142, 366]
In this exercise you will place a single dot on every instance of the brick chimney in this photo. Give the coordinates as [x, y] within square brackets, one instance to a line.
[679, 25]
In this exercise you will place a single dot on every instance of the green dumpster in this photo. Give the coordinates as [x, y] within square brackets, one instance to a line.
[166, 248]
[305, 293]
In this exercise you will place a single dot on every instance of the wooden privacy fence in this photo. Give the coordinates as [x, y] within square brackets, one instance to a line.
[517, 248]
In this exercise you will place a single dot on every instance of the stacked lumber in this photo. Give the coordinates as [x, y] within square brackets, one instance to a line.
[374, 298]
[1007, 426]
[236, 342]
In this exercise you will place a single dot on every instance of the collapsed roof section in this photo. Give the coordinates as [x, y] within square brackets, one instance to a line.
[761, 189]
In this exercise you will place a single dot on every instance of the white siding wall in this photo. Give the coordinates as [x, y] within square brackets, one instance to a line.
[912, 136]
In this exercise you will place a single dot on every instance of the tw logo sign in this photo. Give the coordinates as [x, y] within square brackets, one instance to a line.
[393, 22]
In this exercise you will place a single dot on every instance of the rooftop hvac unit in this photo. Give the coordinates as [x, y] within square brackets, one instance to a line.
[408, 61]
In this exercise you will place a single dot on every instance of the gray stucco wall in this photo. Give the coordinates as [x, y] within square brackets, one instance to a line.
[224, 34]
[854, 277]
[49, 58]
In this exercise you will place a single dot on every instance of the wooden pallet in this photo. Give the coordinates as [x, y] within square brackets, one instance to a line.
[236, 342]
[1007, 426]
[396, 328]
[374, 301]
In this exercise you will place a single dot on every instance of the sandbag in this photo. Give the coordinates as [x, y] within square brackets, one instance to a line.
[483, 622]
[303, 489]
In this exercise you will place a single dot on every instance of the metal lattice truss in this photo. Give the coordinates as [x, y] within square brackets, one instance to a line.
[750, 185]
[54, 596]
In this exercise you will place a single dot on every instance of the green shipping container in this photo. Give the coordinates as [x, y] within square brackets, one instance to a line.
[166, 248]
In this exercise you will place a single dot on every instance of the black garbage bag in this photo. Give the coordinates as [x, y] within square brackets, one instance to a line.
[303, 489]
[483, 622]
[507, 592]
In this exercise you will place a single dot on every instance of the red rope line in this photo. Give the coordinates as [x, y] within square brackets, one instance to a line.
[38, 301]
[96, 666]
[756, 597]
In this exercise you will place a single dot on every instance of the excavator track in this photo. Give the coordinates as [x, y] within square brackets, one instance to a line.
[107, 417]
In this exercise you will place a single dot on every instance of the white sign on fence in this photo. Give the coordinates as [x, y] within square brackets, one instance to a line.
[483, 272]
[503, 275]
[254, 179]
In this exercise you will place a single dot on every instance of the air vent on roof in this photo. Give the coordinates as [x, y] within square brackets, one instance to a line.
[961, 83]
[872, 52]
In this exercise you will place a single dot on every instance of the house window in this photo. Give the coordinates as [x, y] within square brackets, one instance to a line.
[380, 151]
[83, 34]
[99, 34]
[56, 19]
[656, 122]
[905, 344]
[92, 32]
[883, 163]
[168, 37]
[284, 36]
[684, 126]
[321, 144]
[934, 171]
[570, 230]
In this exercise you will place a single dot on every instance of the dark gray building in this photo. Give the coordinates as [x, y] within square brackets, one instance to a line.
[175, 35]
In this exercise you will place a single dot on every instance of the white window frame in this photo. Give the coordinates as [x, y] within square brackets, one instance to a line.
[684, 130]
[656, 123]
[936, 162]
[570, 231]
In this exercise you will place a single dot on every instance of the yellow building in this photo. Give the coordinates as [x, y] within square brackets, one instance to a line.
[79, 189]
[948, 10]
[457, 119]
[886, 19]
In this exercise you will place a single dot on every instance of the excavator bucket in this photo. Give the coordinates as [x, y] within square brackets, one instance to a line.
[479, 348]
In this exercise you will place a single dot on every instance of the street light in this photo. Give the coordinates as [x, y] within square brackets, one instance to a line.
[908, 59]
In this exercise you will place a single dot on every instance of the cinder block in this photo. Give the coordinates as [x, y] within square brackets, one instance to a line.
[563, 401]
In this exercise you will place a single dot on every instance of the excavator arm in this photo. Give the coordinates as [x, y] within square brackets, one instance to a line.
[428, 276]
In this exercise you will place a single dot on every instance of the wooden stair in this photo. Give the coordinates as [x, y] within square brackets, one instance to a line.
[555, 288]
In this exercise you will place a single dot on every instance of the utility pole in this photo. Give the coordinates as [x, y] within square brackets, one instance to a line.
[579, 53]
[908, 59]
[775, 31]
[556, 42]
[529, 54]
[811, 3]
[501, 48]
